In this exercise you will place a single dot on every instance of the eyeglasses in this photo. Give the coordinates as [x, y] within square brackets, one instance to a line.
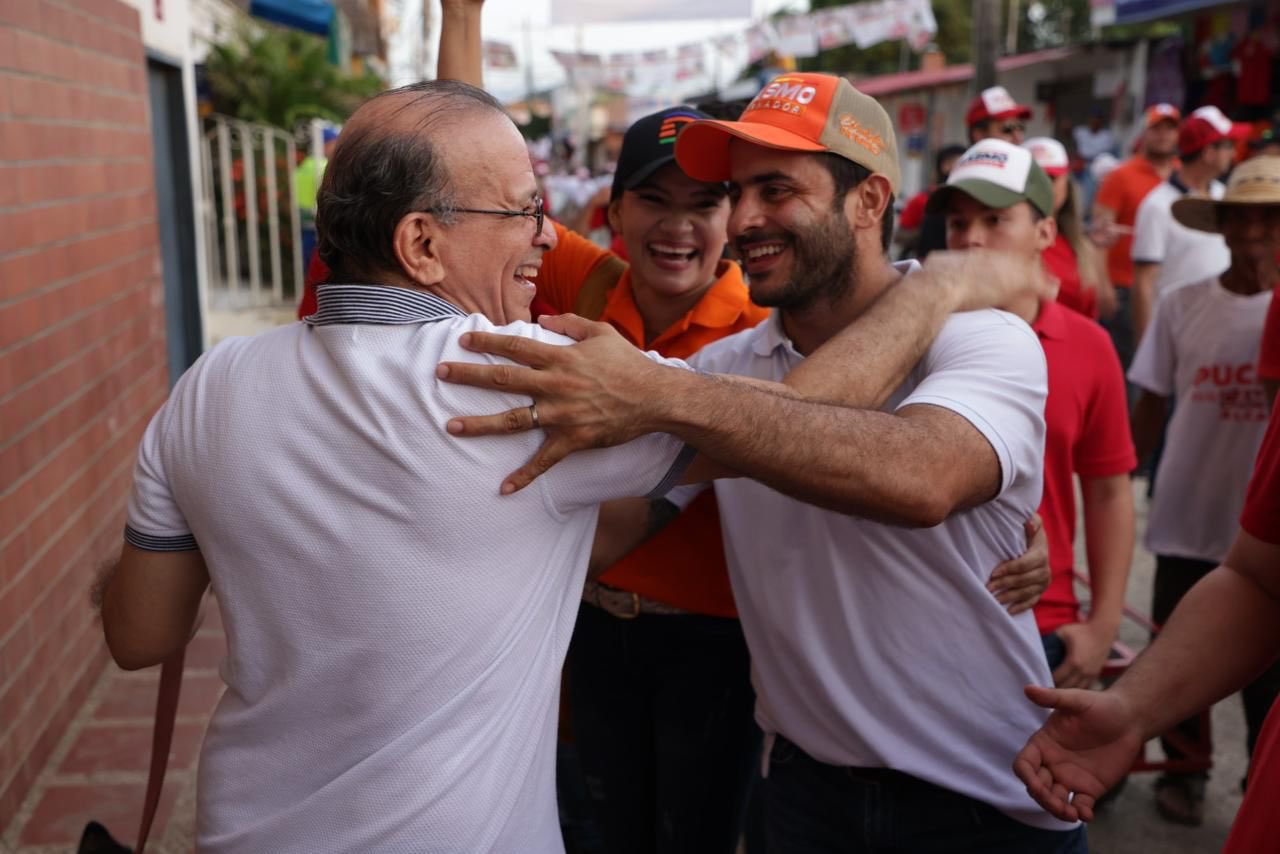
[538, 213]
[1014, 127]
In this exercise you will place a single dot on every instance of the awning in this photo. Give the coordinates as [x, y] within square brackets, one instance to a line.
[906, 81]
[1105, 12]
[310, 16]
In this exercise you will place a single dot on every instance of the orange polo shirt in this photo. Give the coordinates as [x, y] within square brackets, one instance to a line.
[682, 565]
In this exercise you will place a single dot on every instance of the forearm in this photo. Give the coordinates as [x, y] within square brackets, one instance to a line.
[861, 366]
[1142, 297]
[865, 463]
[461, 56]
[1148, 422]
[1109, 535]
[623, 526]
[1223, 632]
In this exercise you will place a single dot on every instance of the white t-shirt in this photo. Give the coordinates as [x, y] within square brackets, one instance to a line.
[1185, 255]
[876, 646]
[1202, 350]
[395, 628]
[1090, 143]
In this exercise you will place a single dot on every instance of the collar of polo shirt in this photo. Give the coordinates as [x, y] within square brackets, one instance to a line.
[380, 304]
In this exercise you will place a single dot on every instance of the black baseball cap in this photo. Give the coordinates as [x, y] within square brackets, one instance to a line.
[650, 144]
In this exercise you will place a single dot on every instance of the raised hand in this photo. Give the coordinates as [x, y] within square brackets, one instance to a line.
[593, 394]
[1085, 747]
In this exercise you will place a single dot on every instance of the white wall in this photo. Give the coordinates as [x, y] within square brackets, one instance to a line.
[166, 34]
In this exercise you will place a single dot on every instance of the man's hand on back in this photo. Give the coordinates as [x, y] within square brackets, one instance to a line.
[1018, 584]
[598, 393]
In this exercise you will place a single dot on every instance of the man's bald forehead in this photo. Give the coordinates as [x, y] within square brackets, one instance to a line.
[425, 108]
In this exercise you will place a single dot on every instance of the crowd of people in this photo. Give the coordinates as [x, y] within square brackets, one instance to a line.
[774, 531]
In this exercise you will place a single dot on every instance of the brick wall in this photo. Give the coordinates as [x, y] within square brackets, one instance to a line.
[82, 358]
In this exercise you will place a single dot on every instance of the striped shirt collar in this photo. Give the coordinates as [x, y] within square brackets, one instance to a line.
[382, 304]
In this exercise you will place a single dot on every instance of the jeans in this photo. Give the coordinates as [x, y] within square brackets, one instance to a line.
[661, 708]
[1120, 327]
[1174, 577]
[815, 808]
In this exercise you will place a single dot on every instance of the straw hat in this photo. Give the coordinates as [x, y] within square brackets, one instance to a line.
[1254, 182]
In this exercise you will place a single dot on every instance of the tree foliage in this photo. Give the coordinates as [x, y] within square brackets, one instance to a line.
[282, 78]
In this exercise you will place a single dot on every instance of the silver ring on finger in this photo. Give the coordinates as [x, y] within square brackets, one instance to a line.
[533, 414]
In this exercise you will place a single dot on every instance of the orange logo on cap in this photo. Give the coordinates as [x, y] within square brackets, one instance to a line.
[861, 134]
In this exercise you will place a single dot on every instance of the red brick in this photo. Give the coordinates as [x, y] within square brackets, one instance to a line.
[34, 140]
[24, 14]
[64, 810]
[127, 747]
[35, 98]
[6, 96]
[207, 648]
[26, 359]
[136, 406]
[65, 379]
[42, 311]
[110, 11]
[129, 697]
[36, 54]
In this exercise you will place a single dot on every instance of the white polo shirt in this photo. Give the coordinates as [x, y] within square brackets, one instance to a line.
[876, 646]
[395, 628]
[1185, 255]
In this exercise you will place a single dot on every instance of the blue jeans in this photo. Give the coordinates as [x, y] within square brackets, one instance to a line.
[815, 808]
[661, 709]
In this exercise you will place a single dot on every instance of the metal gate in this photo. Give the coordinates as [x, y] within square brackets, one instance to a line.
[251, 216]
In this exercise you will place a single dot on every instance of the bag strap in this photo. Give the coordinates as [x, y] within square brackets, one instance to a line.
[161, 740]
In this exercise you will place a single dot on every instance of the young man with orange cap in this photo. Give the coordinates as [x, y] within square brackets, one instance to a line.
[1086, 417]
[1115, 207]
[859, 745]
[1167, 254]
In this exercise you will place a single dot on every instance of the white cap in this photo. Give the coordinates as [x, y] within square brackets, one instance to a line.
[1050, 154]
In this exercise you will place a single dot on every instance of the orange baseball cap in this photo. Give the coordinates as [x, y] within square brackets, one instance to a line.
[797, 112]
[1158, 113]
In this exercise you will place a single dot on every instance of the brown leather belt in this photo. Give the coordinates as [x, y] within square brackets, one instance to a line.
[624, 604]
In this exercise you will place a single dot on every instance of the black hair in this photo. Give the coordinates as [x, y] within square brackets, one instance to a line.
[947, 152]
[846, 174]
[380, 172]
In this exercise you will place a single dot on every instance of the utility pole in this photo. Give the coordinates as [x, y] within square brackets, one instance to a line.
[1011, 32]
[986, 43]
[424, 67]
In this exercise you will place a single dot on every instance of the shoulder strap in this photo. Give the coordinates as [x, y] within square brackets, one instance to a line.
[600, 282]
[161, 739]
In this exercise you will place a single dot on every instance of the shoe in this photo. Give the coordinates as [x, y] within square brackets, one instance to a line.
[1180, 799]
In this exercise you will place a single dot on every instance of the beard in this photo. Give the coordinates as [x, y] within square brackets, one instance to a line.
[822, 266]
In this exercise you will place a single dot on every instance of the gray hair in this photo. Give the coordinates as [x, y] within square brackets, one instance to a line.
[382, 170]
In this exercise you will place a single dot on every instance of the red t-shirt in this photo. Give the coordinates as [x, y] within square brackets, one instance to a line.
[1269, 356]
[913, 213]
[1257, 824]
[1087, 423]
[1061, 263]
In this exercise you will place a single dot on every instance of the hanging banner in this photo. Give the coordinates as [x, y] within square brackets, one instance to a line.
[499, 55]
[620, 12]
[797, 36]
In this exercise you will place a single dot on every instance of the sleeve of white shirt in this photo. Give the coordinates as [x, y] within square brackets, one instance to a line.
[1155, 362]
[1151, 231]
[155, 522]
[989, 368]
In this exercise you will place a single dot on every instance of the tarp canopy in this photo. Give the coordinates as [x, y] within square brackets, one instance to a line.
[1136, 11]
[310, 16]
